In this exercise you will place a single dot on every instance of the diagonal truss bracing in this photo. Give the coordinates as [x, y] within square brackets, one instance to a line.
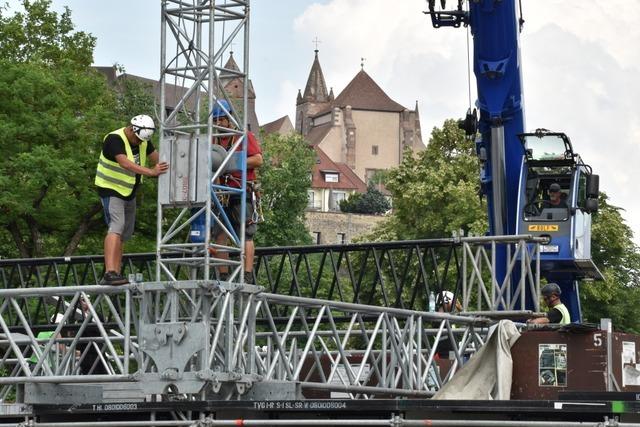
[218, 339]
[196, 34]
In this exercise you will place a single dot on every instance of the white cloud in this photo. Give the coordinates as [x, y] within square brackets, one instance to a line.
[284, 104]
[580, 69]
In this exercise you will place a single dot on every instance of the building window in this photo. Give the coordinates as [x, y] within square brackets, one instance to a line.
[331, 177]
[316, 237]
[313, 203]
[374, 150]
[338, 196]
[341, 238]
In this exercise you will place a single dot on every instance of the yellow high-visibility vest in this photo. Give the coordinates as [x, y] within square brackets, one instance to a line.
[110, 174]
[566, 317]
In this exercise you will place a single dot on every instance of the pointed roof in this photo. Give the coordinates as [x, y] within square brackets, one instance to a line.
[282, 126]
[347, 179]
[363, 93]
[231, 64]
[316, 88]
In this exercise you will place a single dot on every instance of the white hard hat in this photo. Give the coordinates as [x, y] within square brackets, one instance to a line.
[446, 297]
[57, 318]
[143, 127]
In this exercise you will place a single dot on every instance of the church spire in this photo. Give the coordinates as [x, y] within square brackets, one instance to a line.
[316, 88]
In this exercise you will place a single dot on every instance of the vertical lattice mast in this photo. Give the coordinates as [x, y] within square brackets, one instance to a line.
[196, 35]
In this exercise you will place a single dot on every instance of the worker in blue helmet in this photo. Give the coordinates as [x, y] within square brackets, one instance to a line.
[558, 312]
[220, 113]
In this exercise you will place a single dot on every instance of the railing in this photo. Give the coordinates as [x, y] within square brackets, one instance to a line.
[332, 319]
[390, 274]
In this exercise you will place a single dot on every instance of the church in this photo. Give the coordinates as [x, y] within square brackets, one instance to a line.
[355, 134]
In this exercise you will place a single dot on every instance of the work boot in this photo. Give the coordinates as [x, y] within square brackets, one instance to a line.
[113, 278]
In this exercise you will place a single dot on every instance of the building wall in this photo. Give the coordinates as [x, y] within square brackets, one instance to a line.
[330, 224]
[376, 128]
[332, 144]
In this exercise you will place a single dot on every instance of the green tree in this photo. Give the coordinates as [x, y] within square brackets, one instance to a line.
[55, 111]
[435, 193]
[41, 35]
[285, 180]
[618, 258]
[373, 202]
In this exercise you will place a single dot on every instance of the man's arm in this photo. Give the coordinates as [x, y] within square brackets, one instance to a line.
[539, 320]
[255, 161]
[154, 157]
[158, 169]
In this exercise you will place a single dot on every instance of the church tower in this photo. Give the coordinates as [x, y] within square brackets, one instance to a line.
[234, 86]
[315, 98]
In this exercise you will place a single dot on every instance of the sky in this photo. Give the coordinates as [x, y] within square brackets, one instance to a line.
[580, 65]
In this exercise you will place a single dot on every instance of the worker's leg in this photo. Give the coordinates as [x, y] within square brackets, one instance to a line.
[129, 224]
[114, 212]
[112, 251]
[249, 246]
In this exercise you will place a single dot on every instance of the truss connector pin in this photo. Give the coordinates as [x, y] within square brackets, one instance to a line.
[396, 421]
[610, 422]
[205, 375]
[170, 374]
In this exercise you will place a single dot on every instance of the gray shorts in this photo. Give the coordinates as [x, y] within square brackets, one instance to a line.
[120, 216]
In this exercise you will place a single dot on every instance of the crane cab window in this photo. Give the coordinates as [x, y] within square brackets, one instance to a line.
[548, 201]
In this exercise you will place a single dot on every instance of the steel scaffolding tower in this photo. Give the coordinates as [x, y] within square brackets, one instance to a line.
[195, 36]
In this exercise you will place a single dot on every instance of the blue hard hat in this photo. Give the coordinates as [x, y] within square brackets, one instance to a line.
[220, 107]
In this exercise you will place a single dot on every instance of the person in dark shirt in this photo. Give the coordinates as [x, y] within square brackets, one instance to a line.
[122, 164]
[556, 199]
[558, 312]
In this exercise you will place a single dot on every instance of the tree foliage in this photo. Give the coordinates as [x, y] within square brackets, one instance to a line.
[55, 111]
[435, 192]
[373, 202]
[618, 258]
[285, 180]
[41, 35]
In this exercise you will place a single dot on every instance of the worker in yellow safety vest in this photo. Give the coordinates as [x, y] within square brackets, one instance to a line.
[558, 312]
[122, 164]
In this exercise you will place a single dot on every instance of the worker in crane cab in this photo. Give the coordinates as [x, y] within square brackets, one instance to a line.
[121, 167]
[557, 199]
[558, 312]
[232, 204]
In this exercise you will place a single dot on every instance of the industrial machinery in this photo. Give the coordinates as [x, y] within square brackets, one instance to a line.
[517, 168]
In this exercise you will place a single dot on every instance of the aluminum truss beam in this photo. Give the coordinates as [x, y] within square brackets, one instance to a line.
[390, 274]
[195, 36]
[220, 339]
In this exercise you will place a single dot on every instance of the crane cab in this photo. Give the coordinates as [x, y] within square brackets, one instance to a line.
[557, 196]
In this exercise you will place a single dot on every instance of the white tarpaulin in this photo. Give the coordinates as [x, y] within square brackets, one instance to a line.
[488, 374]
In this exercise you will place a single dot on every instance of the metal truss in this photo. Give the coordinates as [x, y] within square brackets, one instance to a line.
[208, 338]
[226, 340]
[195, 35]
[390, 274]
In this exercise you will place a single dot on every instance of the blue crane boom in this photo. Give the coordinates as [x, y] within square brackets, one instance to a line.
[517, 170]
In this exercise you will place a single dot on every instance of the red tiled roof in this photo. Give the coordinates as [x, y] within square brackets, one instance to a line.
[317, 134]
[347, 180]
[276, 125]
[363, 93]
[348, 173]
